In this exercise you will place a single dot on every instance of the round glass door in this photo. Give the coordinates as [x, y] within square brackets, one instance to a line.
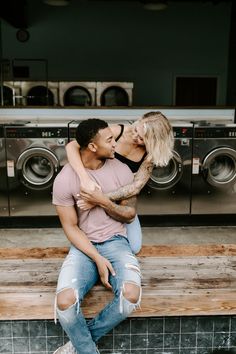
[166, 177]
[114, 96]
[219, 167]
[7, 96]
[40, 96]
[37, 168]
[77, 96]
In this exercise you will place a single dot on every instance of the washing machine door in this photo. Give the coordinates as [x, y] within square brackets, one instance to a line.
[40, 96]
[7, 99]
[114, 96]
[37, 168]
[219, 167]
[166, 177]
[77, 96]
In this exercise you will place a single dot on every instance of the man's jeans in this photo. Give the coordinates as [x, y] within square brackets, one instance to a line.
[80, 273]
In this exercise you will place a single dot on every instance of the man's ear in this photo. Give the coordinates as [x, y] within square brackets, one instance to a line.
[92, 147]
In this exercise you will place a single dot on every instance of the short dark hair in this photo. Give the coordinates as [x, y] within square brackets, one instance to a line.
[88, 129]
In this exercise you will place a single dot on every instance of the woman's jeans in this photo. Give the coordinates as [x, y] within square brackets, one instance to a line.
[134, 234]
[80, 273]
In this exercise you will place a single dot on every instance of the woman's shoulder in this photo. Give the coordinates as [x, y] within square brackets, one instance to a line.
[117, 129]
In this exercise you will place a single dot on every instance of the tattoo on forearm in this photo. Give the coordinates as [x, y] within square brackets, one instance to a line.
[122, 212]
[140, 179]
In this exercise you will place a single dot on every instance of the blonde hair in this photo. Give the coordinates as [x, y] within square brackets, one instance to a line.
[158, 138]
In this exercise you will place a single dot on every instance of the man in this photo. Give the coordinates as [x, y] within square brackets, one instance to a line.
[99, 247]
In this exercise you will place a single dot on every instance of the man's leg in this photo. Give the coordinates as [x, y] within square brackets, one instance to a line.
[126, 286]
[77, 276]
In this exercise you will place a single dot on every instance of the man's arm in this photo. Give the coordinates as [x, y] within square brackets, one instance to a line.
[78, 238]
[125, 211]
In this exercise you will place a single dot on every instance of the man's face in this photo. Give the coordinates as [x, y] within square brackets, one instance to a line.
[105, 144]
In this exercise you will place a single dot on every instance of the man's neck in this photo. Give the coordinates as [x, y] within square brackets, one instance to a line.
[90, 161]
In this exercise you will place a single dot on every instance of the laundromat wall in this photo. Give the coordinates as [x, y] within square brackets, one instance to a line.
[199, 179]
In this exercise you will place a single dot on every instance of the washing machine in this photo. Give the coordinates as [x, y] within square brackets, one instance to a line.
[10, 93]
[40, 93]
[4, 207]
[77, 93]
[114, 93]
[214, 169]
[168, 191]
[35, 154]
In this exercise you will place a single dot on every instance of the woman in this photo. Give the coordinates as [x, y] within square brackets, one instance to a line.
[146, 143]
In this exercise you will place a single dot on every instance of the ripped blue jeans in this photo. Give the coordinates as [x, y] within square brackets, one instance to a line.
[134, 234]
[80, 273]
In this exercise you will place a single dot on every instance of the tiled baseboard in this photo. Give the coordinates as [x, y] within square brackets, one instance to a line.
[159, 335]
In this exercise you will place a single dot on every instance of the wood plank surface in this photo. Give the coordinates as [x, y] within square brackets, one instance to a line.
[147, 250]
[177, 280]
[40, 305]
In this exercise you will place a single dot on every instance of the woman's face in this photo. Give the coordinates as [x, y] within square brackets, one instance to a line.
[138, 133]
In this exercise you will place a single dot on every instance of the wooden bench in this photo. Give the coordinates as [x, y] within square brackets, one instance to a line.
[177, 280]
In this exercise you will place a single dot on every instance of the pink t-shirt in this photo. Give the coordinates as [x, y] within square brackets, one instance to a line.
[96, 223]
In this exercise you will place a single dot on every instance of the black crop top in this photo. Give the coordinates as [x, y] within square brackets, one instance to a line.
[133, 165]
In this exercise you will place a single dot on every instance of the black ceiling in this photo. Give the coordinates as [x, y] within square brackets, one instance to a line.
[15, 12]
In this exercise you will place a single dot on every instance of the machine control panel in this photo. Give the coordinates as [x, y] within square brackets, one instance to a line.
[36, 132]
[183, 132]
[215, 132]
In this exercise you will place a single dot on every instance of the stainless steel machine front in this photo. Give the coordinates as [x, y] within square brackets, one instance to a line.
[4, 207]
[35, 154]
[168, 191]
[214, 169]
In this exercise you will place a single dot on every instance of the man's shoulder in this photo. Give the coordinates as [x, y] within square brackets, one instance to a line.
[119, 164]
[66, 174]
[66, 170]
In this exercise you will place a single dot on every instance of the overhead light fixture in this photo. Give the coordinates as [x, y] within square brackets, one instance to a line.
[57, 2]
[154, 5]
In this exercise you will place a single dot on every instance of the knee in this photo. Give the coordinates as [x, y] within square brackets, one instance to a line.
[66, 298]
[136, 248]
[131, 292]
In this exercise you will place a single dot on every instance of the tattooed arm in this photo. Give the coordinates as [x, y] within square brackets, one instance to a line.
[124, 211]
[140, 179]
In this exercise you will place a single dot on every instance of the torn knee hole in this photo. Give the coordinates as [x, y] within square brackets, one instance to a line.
[66, 298]
[131, 292]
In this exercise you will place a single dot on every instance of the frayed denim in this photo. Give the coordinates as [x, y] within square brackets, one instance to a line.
[80, 273]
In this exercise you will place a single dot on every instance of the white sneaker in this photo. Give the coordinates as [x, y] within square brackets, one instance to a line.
[66, 349]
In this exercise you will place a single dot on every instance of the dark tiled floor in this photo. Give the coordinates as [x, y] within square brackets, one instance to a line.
[164, 335]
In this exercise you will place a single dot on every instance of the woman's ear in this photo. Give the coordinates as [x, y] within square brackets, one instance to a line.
[92, 147]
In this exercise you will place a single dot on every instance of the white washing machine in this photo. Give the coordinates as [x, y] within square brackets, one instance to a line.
[114, 93]
[77, 93]
[40, 93]
[11, 91]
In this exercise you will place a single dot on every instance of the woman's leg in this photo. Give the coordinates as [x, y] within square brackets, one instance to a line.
[134, 235]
